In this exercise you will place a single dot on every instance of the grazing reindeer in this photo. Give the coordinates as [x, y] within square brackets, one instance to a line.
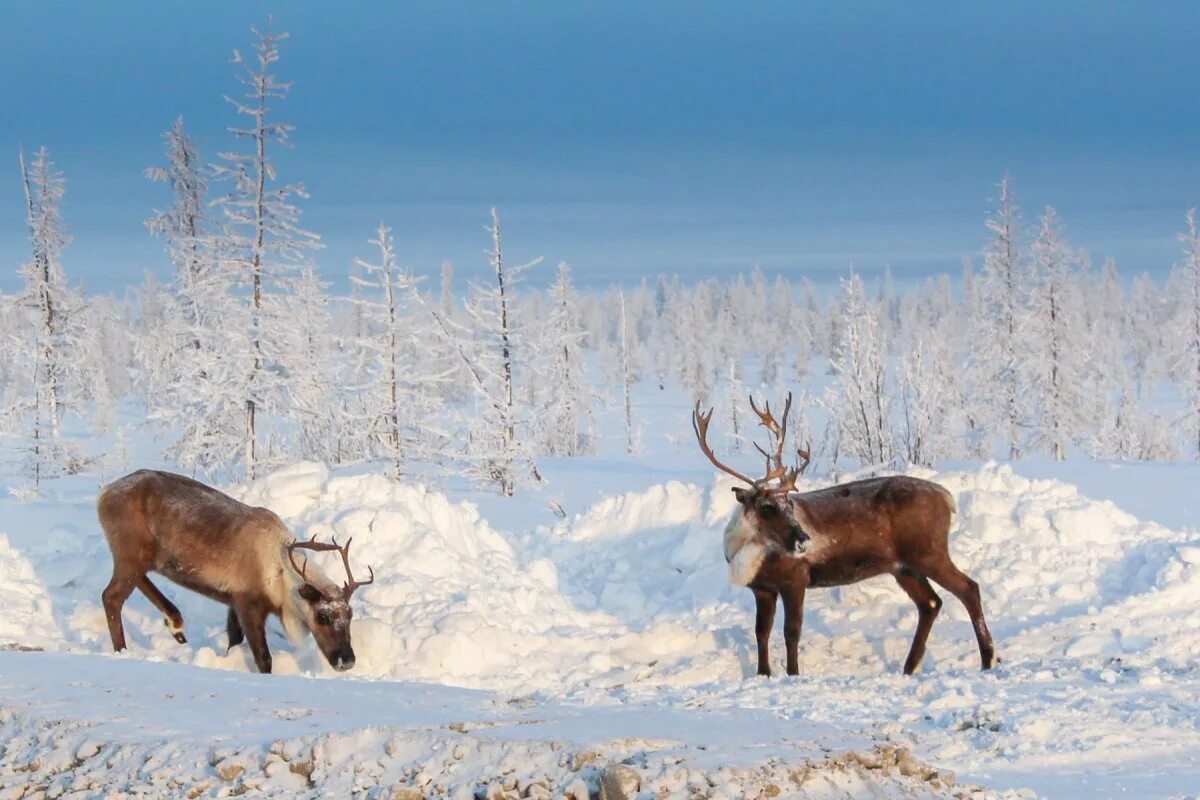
[779, 544]
[228, 551]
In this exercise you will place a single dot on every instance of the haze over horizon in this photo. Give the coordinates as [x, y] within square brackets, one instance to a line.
[626, 140]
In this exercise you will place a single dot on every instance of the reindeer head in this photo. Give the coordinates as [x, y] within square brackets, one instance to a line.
[326, 612]
[763, 522]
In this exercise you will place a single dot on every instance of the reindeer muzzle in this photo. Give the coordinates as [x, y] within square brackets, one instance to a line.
[342, 660]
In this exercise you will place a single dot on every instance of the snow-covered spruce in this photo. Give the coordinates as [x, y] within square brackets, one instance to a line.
[263, 254]
[397, 398]
[53, 365]
[492, 341]
[921, 375]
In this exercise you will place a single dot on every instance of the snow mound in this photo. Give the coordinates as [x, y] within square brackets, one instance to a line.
[634, 591]
[629, 602]
[453, 601]
[27, 618]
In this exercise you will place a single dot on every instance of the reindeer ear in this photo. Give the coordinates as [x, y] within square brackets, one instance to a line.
[740, 494]
[310, 593]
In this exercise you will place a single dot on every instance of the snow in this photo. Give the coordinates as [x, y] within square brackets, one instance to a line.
[525, 645]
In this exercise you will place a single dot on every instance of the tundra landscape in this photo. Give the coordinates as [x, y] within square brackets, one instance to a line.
[554, 402]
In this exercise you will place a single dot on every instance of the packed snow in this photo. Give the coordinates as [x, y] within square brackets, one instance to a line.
[615, 634]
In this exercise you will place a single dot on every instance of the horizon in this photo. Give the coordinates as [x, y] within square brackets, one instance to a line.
[628, 142]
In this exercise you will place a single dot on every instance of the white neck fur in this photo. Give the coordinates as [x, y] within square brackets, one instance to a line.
[744, 551]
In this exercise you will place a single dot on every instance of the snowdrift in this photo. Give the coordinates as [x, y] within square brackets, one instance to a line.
[635, 588]
[1093, 613]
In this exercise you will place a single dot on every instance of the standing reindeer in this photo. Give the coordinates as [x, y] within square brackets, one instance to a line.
[228, 551]
[780, 544]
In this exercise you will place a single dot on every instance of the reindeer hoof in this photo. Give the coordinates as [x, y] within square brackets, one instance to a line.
[176, 629]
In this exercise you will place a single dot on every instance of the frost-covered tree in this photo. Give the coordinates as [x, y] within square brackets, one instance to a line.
[1058, 352]
[262, 242]
[399, 396]
[1187, 327]
[186, 345]
[567, 417]
[446, 293]
[690, 350]
[735, 390]
[1144, 325]
[921, 430]
[812, 335]
[727, 336]
[46, 290]
[185, 224]
[933, 414]
[497, 448]
[765, 325]
[628, 376]
[661, 356]
[111, 348]
[10, 326]
[1118, 436]
[174, 323]
[995, 361]
[312, 406]
[53, 357]
[859, 399]
[1108, 370]
[1129, 434]
[206, 404]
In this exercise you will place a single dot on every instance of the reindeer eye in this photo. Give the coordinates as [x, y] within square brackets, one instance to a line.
[768, 510]
[323, 618]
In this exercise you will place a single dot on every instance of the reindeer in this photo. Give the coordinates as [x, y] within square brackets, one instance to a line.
[779, 544]
[228, 551]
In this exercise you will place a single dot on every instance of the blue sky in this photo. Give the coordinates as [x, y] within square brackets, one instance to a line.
[629, 138]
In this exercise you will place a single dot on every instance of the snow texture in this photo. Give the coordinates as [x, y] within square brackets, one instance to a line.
[616, 634]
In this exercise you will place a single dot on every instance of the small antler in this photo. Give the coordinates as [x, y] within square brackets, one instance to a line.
[352, 584]
[700, 426]
[312, 544]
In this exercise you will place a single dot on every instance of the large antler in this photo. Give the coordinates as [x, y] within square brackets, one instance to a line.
[788, 480]
[775, 468]
[312, 544]
[700, 426]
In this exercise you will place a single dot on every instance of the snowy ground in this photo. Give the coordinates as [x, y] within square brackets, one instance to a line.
[500, 641]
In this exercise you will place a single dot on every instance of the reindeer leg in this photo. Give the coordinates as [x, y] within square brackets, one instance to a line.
[113, 598]
[764, 618]
[234, 629]
[174, 619]
[967, 591]
[793, 619]
[252, 614]
[928, 605]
